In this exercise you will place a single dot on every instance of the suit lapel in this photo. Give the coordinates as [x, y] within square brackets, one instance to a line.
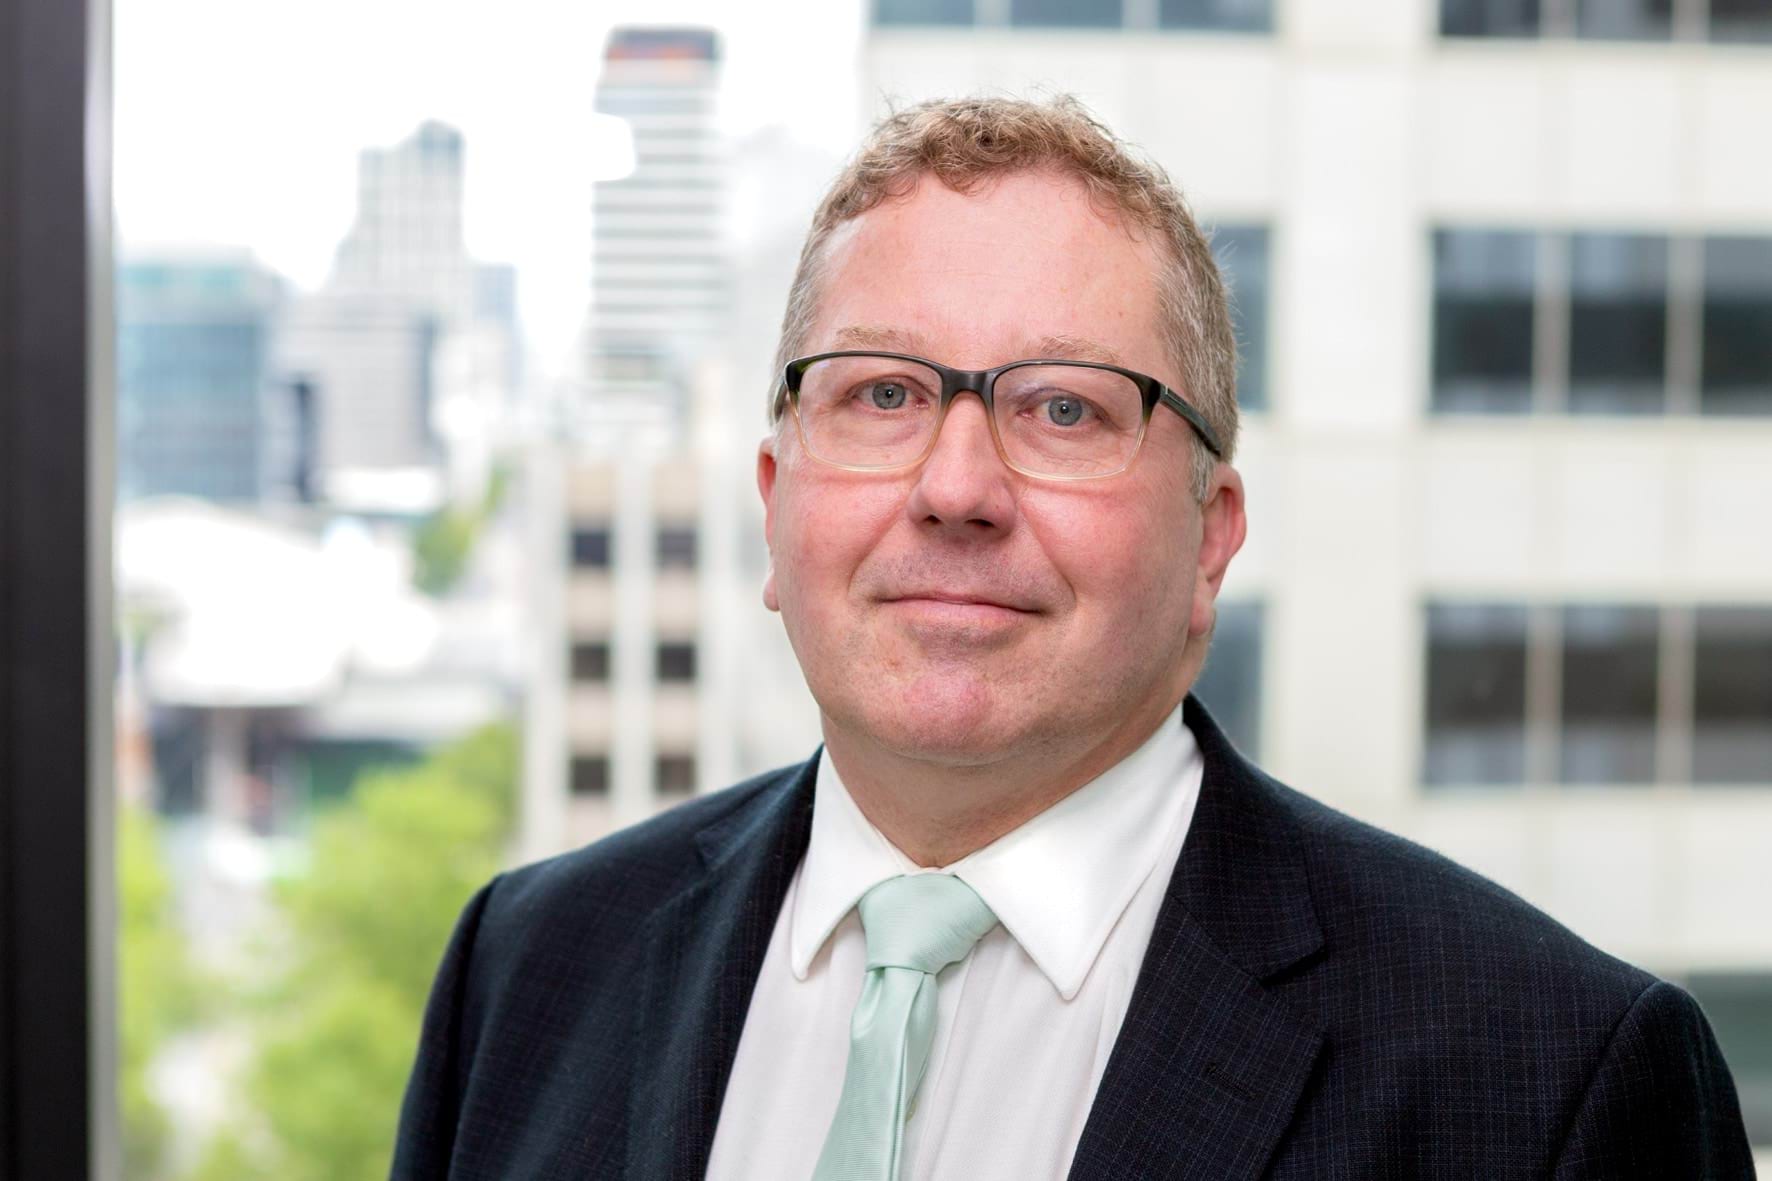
[1209, 1065]
[706, 949]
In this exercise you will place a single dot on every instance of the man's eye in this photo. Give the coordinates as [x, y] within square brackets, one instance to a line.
[886, 395]
[1065, 410]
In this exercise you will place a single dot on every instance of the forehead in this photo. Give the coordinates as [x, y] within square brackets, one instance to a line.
[1026, 265]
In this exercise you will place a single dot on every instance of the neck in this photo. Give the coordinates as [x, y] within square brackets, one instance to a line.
[939, 810]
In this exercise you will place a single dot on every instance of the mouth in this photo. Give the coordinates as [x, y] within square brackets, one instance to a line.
[952, 610]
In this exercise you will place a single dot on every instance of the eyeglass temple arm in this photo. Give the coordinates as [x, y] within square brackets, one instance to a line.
[1174, 401]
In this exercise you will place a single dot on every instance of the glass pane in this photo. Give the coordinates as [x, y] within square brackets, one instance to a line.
[1483, 297]
[923, 12]
[1738, 1006]
[1489, 18]
[1476, 694]
[1242, 255]
[1628, 20]
[1737, 326]
[1617, 324]
[1609, 694]
[1103, 14]
[1740, 20]
[1230, 684]
[676, 547]
[1250, 16]
[1732, 696]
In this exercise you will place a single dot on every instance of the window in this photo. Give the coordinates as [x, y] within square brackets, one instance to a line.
[1230, 684]
[1094, 14]
[1740, 20]
[590, 546]
[923, 12]
[1242, 255]
[1609, 20]
[1607, 305]
[1625, 20]
[1598, 694]
[1489, 18]
[1737, 326]
[1483, 287]
[676, 662]
[1739, 1008]
[590, 775]
[1732, 695]
[675, 774]
[1617, 324]
[676, 547]
[590, 661]
[1476, 694]
[1609, 679]
[1252, 16]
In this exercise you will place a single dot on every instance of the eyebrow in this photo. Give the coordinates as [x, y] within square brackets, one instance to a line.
[1056, 345]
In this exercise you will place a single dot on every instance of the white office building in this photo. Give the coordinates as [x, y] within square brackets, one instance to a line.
[1505, 281]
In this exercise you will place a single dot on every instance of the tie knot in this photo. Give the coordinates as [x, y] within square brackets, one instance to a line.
[924, 921]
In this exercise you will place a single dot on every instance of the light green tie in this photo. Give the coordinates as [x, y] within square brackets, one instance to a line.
[916, 925]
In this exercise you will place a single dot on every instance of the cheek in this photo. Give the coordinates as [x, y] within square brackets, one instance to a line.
[822, 536]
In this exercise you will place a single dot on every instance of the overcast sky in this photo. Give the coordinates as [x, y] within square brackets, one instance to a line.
[238, 122]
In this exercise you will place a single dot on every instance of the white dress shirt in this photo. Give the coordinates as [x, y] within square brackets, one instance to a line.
[1025, 1022]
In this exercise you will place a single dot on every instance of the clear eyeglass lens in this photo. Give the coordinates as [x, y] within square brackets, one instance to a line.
[1053, 420]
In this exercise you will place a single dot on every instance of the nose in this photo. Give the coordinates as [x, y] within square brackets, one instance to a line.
[964, 483]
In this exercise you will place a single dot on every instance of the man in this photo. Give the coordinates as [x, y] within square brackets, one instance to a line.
[1028, 914]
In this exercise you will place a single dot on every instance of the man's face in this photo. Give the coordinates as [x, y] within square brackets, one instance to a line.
[959, 612]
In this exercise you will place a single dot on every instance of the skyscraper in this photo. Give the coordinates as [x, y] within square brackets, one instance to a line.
[193, 332]
[659, 275]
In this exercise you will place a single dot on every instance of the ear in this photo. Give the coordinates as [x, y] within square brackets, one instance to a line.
[766, 489]
[1222, 529]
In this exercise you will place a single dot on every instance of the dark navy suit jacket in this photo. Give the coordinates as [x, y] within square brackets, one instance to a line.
[1320, 999]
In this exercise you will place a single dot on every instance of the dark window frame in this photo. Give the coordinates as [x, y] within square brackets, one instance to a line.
[58, 1103]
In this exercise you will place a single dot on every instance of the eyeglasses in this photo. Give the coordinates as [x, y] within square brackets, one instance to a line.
[1051, 419]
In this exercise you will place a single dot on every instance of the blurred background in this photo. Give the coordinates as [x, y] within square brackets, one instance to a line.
[444, 338]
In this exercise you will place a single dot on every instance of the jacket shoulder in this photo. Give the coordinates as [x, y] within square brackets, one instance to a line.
[1396, 905]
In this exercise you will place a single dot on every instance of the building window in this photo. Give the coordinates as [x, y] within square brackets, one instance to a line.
[1740, 20]
[675, 774]
[1483, 287]
[1737, 326]
[1092, 14]
[1489, 18]
[1242, 16]
[1242, 254]
[590, 547]
[1617, 324]
[1610, 20]
[1598, 694]
[590, 661]
[1230, 684]
[1609, 694]
[676, 547]
[590, 775]
[1625, 20]
[1607, 305]
[923, 12]
[1476, 694]
[1732, 695]
[676, 662]
[1738, 1006]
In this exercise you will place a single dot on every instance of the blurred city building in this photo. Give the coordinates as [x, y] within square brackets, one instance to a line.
[1508, 585]
[194, 334]
[630, 627]
[401, 367]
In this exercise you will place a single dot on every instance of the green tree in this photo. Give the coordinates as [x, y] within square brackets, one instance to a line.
[368, 919]
[156, 989]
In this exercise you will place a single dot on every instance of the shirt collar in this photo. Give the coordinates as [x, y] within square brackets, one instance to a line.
[1058, 883]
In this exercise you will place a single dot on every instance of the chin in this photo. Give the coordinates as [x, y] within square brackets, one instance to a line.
[956, 721]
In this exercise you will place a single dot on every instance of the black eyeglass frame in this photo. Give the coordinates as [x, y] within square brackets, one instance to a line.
[955, 382]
